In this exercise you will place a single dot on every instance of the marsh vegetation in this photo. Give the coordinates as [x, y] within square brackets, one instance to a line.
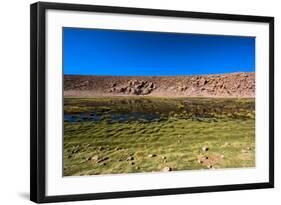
[109, 135]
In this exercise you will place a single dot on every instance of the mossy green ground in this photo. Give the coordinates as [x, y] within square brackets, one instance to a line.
[226, 127]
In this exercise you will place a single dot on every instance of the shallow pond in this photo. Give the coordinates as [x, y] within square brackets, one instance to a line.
[111, 118]
[143, 109]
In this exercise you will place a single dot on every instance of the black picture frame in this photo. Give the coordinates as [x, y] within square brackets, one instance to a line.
[38, 101]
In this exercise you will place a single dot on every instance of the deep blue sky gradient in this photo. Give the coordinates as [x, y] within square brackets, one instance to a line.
[137, 53]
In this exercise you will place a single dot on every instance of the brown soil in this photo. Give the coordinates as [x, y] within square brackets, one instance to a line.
[219, 85]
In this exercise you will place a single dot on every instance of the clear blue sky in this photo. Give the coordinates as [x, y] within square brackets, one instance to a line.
[137, 53]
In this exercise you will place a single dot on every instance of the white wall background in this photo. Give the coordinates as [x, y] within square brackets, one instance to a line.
[14, 101]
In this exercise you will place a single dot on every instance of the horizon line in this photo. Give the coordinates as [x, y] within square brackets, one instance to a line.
[161, 75]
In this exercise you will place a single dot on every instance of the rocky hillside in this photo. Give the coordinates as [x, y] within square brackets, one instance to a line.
[222, 85]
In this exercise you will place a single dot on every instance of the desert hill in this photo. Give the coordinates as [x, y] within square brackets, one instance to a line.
[215, 85]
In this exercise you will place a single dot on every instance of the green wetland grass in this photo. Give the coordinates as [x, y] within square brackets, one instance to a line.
[114, 135]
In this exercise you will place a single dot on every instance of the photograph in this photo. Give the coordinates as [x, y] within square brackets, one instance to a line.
[146, 101]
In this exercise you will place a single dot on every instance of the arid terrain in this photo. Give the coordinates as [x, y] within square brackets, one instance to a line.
[240, 85]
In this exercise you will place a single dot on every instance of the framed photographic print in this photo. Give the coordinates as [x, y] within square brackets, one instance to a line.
[129, 102]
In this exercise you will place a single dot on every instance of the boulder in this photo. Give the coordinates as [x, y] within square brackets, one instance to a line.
[202, 82]
[166, 169]
[152, 155]
[95, 158]
[130, 158]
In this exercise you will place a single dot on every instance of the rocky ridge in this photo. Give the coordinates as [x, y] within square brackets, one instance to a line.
[218, 85]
